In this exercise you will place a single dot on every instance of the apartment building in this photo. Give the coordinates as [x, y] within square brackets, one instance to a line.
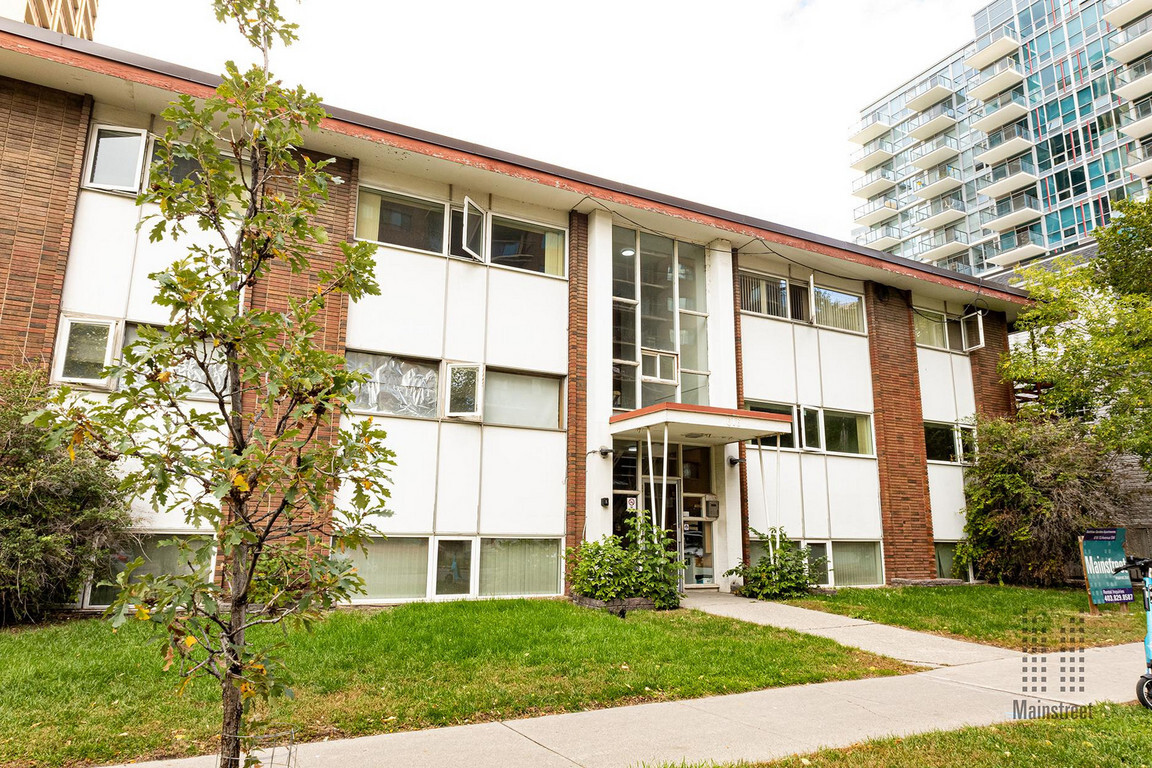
[588, 351]
[1016, 145]
[69, 17]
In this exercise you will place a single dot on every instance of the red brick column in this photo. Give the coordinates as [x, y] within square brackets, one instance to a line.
[994, 396]
[905, 511]
[43, 134]
[577, 378]
[745, 546]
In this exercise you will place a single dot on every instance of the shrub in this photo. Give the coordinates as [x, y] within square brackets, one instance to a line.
[791, 573]
[643, 563]
[1038, 482]
[59, 516]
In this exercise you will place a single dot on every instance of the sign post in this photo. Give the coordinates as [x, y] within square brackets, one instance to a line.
[1101, 551]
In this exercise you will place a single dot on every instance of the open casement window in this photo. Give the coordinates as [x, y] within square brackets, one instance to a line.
[972, 331]
[85, 349]
[658, 367]
[810, 423]
[473, 235]
[465, 386]
[116, 159]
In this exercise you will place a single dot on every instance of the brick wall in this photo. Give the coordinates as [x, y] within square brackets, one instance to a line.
[43, 133]
[994, 396]
[577, 377]
[905, 512]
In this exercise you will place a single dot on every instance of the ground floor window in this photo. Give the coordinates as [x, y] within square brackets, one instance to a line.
[817, 556]
[946, 566]
[394, 568]
[159, 557]
[856, 563]
[519, 567]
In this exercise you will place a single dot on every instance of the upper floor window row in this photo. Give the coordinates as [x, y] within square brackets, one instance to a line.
[949, 332]
[116, 159]
[803, 301]
[469, 231]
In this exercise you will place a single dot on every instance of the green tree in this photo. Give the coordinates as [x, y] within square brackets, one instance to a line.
[1038, 482]
[260, 462]
[61, 515]
[1088, 343]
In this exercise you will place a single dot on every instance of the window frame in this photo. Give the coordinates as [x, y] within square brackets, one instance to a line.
[758, 442]
[962, 320]
[113, 343]
[521, 220]
[161, 533]
[811, 286]
[823, 447]
[90, 160]
[964, 458]
[439, 364]
[379, 190]
[658, 379]
[970, 346]
[561, 395]
[433, 567]
[482, 213]
[446, 409]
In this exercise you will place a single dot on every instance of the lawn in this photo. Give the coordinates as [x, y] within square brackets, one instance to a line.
[984, 613]
[75, 693]
[1114, 735]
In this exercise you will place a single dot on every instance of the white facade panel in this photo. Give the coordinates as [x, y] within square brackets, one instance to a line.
[522, 482]
[527, 322]
[808, 388]
[458, 479]
[845, 371]
[407, 317]
[100, 258]
[769, 359]
[814, 483]
[155, 257]
[854, 498]
[946, 492]
[937, 391]
[965, 390]
[413, 485]
[783, 505]
[599, 385]
[721, 327]
[465, 312]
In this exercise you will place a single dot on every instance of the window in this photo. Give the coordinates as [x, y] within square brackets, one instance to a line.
[957, 334]
[187, 371]
[946, 566]
[115, 159]
[659, 320]
[396, 385]
[527, 246]
[160, 557]
[400, 220]
[954, 443]
[519, 400]
[394, 568]
[856, 563]
[86, 349]
[837, 309]
[786, 441]
[519, 567]
[472, 239]
[453, 567]
[182, 167]
[836, 431]
[464, 384]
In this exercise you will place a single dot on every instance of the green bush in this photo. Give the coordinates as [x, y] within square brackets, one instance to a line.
[643, 563]
[790, 573]
[1038, 482]
[59, 516]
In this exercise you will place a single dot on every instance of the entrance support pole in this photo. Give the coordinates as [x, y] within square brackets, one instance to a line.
[651, 477]
[764, 497]
[779, 517]
[664, 482]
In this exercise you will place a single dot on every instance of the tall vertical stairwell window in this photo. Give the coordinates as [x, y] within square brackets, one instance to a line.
[659, 321]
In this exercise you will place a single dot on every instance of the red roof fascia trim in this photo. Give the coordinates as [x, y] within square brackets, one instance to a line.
[709, 410]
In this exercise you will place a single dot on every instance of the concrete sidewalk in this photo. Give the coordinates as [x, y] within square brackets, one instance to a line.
[919, 648]
[971, 685]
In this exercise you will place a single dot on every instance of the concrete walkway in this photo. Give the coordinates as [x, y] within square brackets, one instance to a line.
[979, 686]
[919, 648]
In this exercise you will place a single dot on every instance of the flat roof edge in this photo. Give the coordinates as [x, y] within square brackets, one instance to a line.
[98, 50]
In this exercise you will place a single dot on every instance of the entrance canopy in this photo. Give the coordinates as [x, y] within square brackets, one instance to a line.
[697, 424]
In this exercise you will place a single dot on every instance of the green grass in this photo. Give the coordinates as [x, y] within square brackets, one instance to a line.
[1114, 736]
[76, 693]
[984, 613]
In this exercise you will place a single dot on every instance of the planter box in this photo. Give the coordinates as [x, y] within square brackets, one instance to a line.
[618, 607]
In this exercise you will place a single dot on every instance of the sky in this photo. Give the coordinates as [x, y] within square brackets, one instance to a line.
[740, 104]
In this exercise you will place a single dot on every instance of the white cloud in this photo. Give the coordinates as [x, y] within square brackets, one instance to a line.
[738, 104]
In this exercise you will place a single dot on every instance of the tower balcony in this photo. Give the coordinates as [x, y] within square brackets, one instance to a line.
[872, 184]
[936, 181]
[1008, 177]
[1004, 143]
[876, 211]
[880, 238]
[1134, 80]
[1136, 118]
[997, 78]
[1015, 247]
[942, 244]
[1120, 12]
[1006, 108]
[928, 92]
[1011, 212]
[1139, 162]
[927, 124]
[1131, 42]
[935, 152]
[871, 127]
[872, 154]
[940, 212]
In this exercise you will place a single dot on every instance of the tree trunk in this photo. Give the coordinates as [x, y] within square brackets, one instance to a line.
[232, 726]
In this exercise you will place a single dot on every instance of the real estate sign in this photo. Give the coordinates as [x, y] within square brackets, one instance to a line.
[1103, 551]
